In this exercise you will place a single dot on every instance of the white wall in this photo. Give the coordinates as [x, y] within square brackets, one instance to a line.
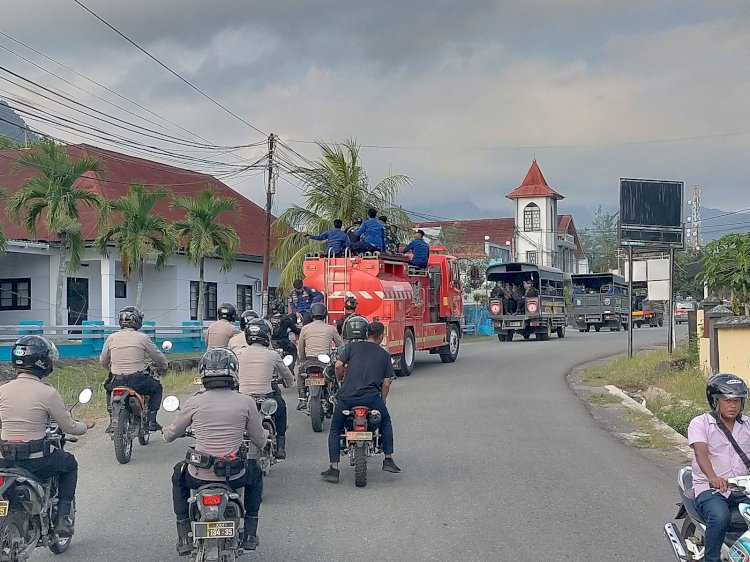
[16, 264]
[543, 242]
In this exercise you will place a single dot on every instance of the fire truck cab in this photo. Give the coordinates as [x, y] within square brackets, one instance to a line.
[420, 308]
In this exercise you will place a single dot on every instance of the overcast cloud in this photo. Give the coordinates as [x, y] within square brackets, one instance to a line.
[477, 87]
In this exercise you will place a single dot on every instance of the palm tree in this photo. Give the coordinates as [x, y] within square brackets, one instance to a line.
[52, 196]
[203, 236]
[335, 186]
[138, 233]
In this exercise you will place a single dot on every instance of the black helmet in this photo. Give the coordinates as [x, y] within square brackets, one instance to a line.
[278, 306]
[355, 328]
[350, 303]
[725, 385]
[219, 368]
[131, 317]
[246, 317]
[258, 331]
[226, 311]
[318, 311]
[35, 355]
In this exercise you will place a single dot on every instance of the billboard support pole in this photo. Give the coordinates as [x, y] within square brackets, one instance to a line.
[630, 304]
[670, 304]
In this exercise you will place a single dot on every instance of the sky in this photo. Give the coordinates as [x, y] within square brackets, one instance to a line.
[468, 92]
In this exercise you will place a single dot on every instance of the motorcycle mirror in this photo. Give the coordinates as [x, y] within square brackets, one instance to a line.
[324, 358]
[171, 404]
[85, 396]
[288, 360]
[166, 345]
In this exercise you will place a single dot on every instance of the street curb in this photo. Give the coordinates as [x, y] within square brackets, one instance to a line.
[676, 438]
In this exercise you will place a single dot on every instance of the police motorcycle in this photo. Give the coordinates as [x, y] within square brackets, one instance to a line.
[130, 417]
[28, 506]
[321, 387]
[217, 510]
[361, 439]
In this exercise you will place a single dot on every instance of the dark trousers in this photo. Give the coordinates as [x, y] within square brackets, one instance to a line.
[142, 383]
[420, 264]
[279, 418]
[363, 247]
[716, 512]
[338, 421]
[58, 463]
[183, 482]
[512, 306]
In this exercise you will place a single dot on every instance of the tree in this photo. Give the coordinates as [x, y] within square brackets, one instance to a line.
[203, 236]
[53, 197]
[600, 241]
[726, 265]
[335, 186]
[687, 269]
[138, 234]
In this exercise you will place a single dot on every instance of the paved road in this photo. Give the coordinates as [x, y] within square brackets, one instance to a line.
[501, 462]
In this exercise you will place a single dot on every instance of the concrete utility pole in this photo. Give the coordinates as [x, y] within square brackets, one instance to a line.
[693, 230]
[270, 192]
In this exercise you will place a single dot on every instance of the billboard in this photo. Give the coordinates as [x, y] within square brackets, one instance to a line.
[651, 213]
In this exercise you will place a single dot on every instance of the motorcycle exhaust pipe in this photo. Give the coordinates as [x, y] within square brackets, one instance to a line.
[677, 542]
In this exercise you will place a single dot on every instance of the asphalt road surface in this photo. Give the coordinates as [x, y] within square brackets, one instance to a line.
[501, 461]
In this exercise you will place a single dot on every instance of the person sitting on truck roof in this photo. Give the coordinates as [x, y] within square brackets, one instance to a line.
[301, 300]
[372, 233]
[337, 241]
[420, 250]
[350, 232]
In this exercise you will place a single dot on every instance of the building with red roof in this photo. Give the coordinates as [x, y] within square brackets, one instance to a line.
[28, 272]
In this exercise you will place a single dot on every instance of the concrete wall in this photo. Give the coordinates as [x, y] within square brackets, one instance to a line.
[704, 347]
[543, 242]
[16, 264]
[734, 351]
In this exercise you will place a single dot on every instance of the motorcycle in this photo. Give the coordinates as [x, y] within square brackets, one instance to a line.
[361, 439]
[322, 387]
[267, 457]
[687, 542]
[28, 505]
[217, 514]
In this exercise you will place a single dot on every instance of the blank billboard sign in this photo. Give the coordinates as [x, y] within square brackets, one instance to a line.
[651, 213]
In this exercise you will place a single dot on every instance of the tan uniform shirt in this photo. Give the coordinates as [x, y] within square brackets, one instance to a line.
[257, 366]
[236, 342]
[26, 407]
[125, 353]
[219, 333]
[219, 419]
[316, 338]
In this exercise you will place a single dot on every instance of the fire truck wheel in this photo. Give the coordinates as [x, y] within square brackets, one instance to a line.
[407, 357]
[449, 353]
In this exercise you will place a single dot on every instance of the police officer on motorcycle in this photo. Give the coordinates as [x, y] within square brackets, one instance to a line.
[282, 324]
[124, 355]
[238, 340]
[350, 308]
[258, 364]
[219, 332]
[26, 407]
[314, 339]
[220, 417]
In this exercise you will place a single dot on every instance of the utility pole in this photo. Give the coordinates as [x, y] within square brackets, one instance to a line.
[270, 192]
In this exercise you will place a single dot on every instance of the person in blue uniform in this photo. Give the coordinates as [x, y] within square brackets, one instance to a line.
[337, 241]
[419, 249]
[372, 233]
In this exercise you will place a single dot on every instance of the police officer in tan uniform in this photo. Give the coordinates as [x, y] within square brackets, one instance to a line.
[220, 417]
[258, 365]
[220, 332]
[314, 339]
[124, 355]
[238, 340]
[26, 407]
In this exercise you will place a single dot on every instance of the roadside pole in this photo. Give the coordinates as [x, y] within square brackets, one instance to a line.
[270, 191]
[670, 304]
[630, 303]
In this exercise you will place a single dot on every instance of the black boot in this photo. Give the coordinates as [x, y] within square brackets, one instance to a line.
[184, 540]
[281, 447]
[111, 426]
[250, 540]
[153, 425]
[65, 519]
[302, 400]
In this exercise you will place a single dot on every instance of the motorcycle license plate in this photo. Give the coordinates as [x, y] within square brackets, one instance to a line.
[359, 435]
[513, 324]
[213, 530]
[4, 508]
[315, 382]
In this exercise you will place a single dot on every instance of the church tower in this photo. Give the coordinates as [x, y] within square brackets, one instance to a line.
[535, 238]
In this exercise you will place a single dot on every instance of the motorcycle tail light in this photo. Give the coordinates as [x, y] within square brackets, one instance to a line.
[360, 412]
[118, 392]
[212, 500]
[2, 480]
[360, 428]
[317, 375]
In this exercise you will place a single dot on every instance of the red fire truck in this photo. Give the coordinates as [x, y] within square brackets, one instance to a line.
[420, 308]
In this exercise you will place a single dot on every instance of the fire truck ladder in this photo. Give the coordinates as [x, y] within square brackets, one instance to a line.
[333, 282]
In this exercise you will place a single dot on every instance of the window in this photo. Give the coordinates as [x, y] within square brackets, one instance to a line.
[532, 257]
[553, 259]
[15, 294]
[121, 290]
[532, 218]
[244, 298]
[209, 300]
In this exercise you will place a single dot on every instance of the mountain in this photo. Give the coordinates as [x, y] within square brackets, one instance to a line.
[13, 126]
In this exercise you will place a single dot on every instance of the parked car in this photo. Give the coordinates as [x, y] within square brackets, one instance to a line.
[681, 309]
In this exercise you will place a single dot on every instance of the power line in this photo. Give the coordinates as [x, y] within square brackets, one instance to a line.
[170, 70]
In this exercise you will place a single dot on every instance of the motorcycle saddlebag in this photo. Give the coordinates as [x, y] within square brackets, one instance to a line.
[224, 468]
[22, 450]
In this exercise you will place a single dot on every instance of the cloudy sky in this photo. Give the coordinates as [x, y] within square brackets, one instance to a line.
[468, 91]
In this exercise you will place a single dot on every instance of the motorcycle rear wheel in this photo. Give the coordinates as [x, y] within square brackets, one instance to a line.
[360, 467]
[316, 414]
[10, 533]
[688, 530]
[123, 441]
